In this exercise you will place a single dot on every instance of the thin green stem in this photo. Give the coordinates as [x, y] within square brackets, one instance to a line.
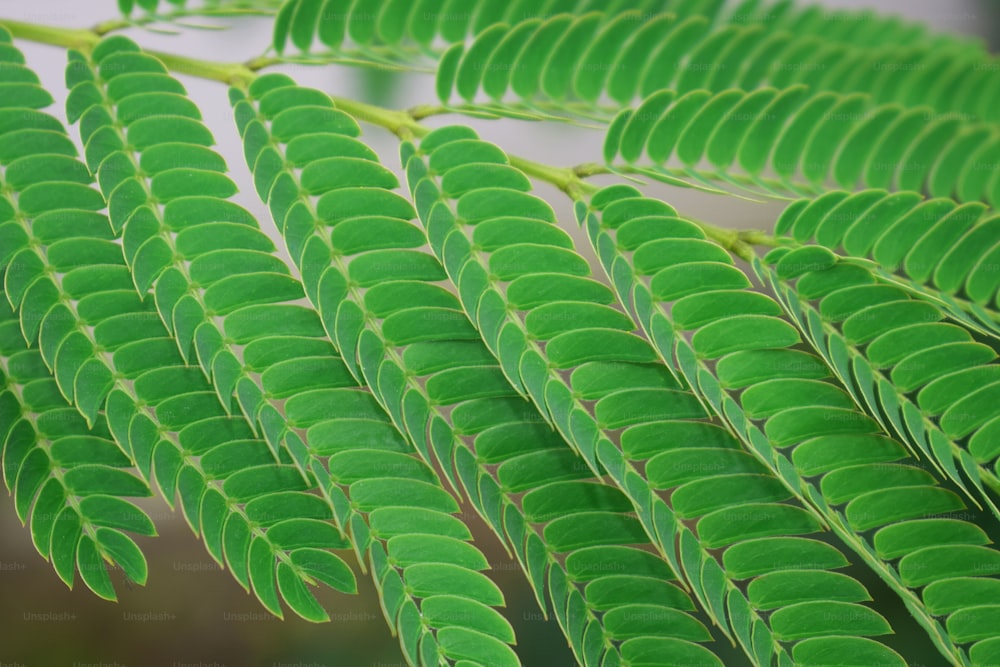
[233, 74]
[262, 62]
[404, 124]
[113, 25]
[588, 169]
[69, 38]
[85, 40]
[755, 237]
[562, 177]
[738, 242]
[399, 123]
[533, 112]
[421, 111]
[728, 239]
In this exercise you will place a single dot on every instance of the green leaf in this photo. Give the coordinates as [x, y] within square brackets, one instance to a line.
[325, 567]
[657, 650]
[255, 481]
[211, 517]
[66, 534]
[898, 540]
[297, 596]
[702, 496]
[296, 533]
[463, 643]
[236, 547]
[261, 562]
[429, 579]
[643, 620]
[88, 479]
[590, 563]
[124, 552]
[50, 500]
[404, 493]
[447, 610]
[810, 619]
[938, 562]
[618, 590]
[833, 650]
[743, 332]
[869, 511]
[726, 526]
[780, 589]
[92, 570]
[113, 512]
[676, 467]
[34, 469]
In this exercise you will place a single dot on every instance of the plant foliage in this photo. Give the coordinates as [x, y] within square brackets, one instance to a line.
[717, 437]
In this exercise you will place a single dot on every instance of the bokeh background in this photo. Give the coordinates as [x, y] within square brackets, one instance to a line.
[191, 613]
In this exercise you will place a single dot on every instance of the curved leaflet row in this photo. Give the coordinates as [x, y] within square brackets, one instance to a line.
[411, 341]
[69, 479]
[128, 7]
[529, 289]
[165, 416]
[852, 27]
[429, 551]
[287, 379]
[168, 195]
[218, 284]
[108, 350]
[941, 249]
[580, 58]
[919, 375]
[808, 139]
[395, 27]
[418, 24]
[728, 341]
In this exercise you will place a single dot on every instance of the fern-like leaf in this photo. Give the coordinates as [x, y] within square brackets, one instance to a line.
[70, 481]
[936, 248]
[446, 391]
[568, 62]
[808, 139]
[501, 248]
[891, 347]
[728, 342]
[287, 358]
[154, 7]
[661, 455]
[397, 25]
[109, 352]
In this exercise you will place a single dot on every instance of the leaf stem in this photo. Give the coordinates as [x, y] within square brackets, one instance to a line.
[404, 124]
[563, 178]
[262, 62]
[234, 74]
[112, 25]
[69, 38]
[400, 123]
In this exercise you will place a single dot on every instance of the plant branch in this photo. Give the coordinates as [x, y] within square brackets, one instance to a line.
[112, 25]
[262, 62]
[399, 123]
[562, 177]
[534, 112]
[234, 74]
[86, 40]
[69, 38]
[404, 124]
